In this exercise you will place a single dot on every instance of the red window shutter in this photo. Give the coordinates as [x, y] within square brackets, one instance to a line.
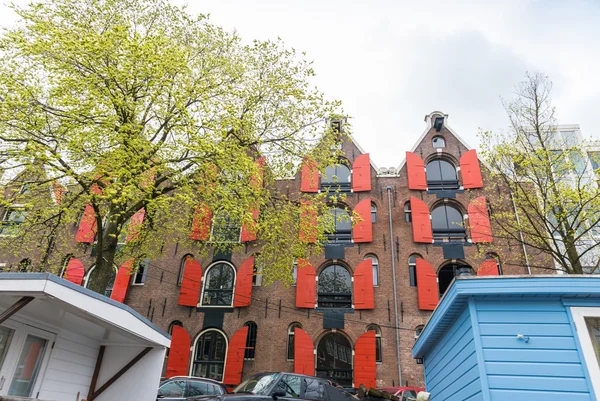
[304, 353]
[191, 283]
[488, 268]
[470, 171]
[179, 353]
[256, 181]
[364, 294]
[308, 223]
[87, 226]
[361, 173]
[235, 357]
[306, 285]
[243, 283]
[122, 281]
[479, 220]
[74, 272]
[427, 286]
[309, 182]
[201, 223]
[421, 222]
[249, 230]
[134, 227]
[365, 365]
[415, 169]
[59, 192]
[362, 231]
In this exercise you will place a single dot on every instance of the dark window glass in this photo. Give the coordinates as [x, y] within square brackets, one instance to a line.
[313, 389]
[377, 331]
[409, 395]
[250, 340]
[201, 388]
[226, 228]
[182, 268]
[337, 177]
[441, 174]
[412, 269]
[12, 220]
[373, 213]
[290, 385]
[291, 335]
[407, 212]
[334, 359]
[447, 274]
[209, 356]
[218, 285]
[335, 287]
[142, 271]
[343, 225]
[172, 389]
[447, 222]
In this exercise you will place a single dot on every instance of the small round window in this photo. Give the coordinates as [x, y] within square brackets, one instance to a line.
[438, 142]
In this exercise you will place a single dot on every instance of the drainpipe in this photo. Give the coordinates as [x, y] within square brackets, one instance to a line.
[389, 189]
[512, 198]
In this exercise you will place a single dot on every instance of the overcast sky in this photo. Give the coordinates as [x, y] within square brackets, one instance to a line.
[392, 62]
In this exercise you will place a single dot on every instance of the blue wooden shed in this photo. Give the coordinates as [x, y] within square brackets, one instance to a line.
[533, 338]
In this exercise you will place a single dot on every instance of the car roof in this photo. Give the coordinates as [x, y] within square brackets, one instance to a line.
[194, 378]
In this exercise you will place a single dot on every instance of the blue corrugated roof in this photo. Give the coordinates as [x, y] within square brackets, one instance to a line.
[456, 297]
[90, 293]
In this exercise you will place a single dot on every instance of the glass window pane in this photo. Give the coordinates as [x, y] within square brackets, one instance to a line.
[5, 339]
[174, 388]
[448, 171]
[198, 388]
[314, 389]
[291, 385]
[28, 366]
[593, 325]
[438, 218]
[434, 172]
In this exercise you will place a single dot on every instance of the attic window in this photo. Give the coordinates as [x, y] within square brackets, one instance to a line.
[336, 126]
[438, 142]
[439, 122]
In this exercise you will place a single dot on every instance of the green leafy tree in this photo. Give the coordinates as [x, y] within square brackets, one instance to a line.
[553, 186]
[137, 105]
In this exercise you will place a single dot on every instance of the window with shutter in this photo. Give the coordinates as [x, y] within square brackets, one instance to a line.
[415, 168]
[179, 352]
[365, 363]
[362, 231]
[427, 285]
[421, 222]
[470, 170]
[235, 357]
[361, 173]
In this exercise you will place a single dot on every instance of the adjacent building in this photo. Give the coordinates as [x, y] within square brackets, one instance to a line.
[353, 312]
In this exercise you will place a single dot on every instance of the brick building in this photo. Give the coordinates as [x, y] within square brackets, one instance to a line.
[348, 317]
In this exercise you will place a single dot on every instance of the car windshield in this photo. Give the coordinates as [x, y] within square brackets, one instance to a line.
[257, 384]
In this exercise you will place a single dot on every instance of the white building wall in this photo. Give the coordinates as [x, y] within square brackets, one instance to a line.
[70, 368]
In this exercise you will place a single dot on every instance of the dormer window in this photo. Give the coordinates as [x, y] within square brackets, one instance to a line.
[439, 122]
[438, 142]
[336, 126]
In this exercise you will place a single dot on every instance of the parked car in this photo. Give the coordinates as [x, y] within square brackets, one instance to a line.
[285, 386]
[404, 393]
[181, 387]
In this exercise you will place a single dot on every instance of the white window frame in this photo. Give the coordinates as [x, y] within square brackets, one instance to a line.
[145, 263]
[204, 281]
[193, 349]
[579, 314]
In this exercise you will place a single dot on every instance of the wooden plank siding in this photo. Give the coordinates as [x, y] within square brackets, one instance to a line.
[451, 371]
[547, 367]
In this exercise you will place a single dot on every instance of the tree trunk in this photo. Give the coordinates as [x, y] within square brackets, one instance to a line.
[106, 249]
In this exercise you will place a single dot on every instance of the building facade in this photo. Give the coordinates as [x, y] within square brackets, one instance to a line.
[354, 311]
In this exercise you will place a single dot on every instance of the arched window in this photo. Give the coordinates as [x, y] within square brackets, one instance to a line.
[173, 324]
[418, 331]
[337, 177]
[290, 344]
[24, 266]
[257, 271]
[373, 213]
[377, 331]
[334, 359]
[294, 272]
[209, 355]
[182, 268]
[139, 278]
[250, 340]
[441, 174]
[93, 273]
[447, 274]
[225, 228]
[375, 264]
[342, 230]
[407, 212]
[438, 142]
[412, 269]
[335, 287]
[447, 223]
[218, 285]
[491, 255]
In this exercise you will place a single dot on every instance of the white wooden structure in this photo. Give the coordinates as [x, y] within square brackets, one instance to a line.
[62, 342]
